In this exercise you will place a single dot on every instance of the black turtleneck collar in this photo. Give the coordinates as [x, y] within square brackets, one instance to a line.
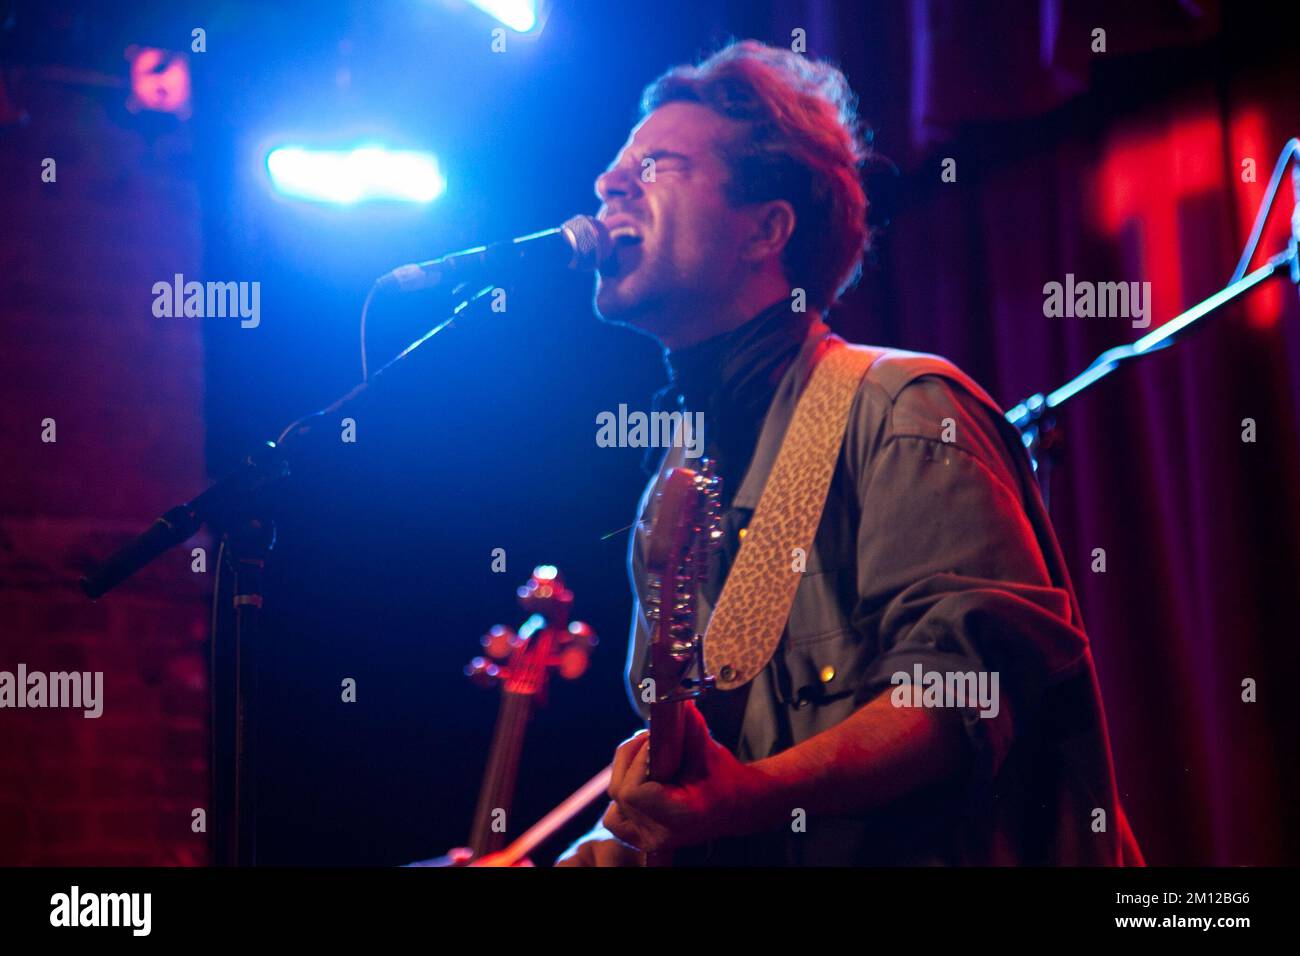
[731, 378]
[736, 363]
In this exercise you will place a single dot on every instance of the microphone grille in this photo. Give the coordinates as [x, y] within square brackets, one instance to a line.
[590, 241]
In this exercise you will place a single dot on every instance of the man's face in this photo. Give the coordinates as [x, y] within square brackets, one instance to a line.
[678, 241]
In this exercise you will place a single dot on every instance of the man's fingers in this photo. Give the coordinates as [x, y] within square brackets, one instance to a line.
[696, 725]
[639, 794]
[623, 758]
[601, 848]
[696, 739]
[617, 823]
[639, 769]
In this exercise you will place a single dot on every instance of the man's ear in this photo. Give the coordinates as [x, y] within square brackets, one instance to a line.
[773, 225]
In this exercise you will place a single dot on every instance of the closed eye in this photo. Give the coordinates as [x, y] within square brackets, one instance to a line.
[678, 161]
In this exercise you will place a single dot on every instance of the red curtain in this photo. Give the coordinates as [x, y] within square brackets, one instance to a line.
[1143, 163]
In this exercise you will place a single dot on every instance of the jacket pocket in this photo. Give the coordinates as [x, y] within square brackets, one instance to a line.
[821, 673]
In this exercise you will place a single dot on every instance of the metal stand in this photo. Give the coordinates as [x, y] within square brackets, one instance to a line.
[238, 507]
[1035, 416]
[234, 698]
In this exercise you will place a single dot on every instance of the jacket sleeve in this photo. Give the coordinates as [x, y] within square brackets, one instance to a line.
[951, 577]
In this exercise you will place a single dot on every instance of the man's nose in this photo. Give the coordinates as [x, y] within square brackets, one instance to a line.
[617, 182]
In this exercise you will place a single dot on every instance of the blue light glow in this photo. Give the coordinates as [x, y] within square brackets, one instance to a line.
[356, 175]
[518, 15]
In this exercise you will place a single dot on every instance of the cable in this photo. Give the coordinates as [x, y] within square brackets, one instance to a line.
[365, 307]
[216, 590]
[364, 384]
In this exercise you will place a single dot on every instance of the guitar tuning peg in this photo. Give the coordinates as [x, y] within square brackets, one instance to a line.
[545, 592]
[576, 642]
[580, 632]
[545, 574]
[482, 672]
[499, 641]
[545, 581]
[572, 661]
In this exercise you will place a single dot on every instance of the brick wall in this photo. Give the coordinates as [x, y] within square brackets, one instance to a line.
[78, 258]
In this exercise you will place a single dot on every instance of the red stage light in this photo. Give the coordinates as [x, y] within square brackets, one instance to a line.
[160, 81]
[1145, 178]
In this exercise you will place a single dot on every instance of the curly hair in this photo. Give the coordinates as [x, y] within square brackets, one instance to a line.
[805, 145]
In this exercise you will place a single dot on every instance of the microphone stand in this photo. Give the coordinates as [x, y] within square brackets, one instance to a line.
[1035, 417]
[240, 509]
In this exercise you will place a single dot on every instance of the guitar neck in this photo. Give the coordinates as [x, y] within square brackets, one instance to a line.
[684, 532]
[667, 727]
[666, 733]
[502, 771]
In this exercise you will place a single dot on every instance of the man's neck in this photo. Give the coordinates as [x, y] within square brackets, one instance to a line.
[730, 380]
[709, 320]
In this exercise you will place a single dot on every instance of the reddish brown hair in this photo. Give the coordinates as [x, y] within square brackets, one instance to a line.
[804, 146]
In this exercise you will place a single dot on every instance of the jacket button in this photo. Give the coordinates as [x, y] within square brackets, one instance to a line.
[827, 674]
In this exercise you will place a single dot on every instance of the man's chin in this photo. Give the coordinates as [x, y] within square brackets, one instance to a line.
[614, 303]
[618, 304]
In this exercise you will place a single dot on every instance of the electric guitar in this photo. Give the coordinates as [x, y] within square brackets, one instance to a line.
[686, 530]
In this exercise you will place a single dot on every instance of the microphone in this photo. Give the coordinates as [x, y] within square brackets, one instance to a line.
[582, 243]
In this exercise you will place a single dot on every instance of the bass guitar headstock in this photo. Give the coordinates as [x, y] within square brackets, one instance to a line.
[686, 530]
[520, 661]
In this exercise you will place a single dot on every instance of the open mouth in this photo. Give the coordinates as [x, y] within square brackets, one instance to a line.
[625, 235]
[622, 258]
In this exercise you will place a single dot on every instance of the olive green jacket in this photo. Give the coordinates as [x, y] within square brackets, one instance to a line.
[934, 550]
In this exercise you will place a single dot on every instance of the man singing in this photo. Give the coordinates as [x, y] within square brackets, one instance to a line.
[739, 219]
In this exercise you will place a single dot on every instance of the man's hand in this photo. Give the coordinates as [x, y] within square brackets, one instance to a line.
[714, 794]
[599, 848]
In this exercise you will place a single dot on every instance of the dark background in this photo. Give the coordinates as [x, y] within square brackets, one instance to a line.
[1123, 165]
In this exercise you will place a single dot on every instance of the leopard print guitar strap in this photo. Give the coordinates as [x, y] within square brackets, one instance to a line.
[749, 619]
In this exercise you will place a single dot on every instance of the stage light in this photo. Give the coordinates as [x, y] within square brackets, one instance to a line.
[518, 15]
[356, 175]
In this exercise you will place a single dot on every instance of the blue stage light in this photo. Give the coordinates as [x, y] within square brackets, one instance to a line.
[355, 175]
[518, 15]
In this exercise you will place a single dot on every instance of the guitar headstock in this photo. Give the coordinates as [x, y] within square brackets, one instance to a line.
[520, 661]
[685, 532]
